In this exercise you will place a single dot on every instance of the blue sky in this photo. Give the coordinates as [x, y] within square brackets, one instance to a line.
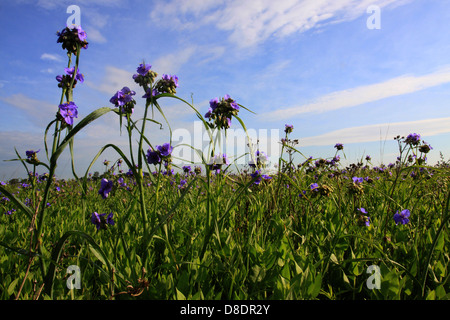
[313, 64]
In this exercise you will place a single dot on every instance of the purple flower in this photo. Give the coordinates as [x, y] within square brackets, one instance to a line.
[186, 169]
[208, 114]
[314, 186]
[121, 182]
[165, 150]
[182, 184]
[171, 78]
[31, 154]
[339, 146]
[66, 80]
[79, 76]
[258, 176]
[150, 93]
[153, 157]
[402, 217]
[105, 188]
[301, 195]
[10, 212]
[413, 139]
[81, 33]
[288, 128]
[99, 220]
[143, 69]
[122, 97]
[71, 38]
[362, 210]
[68, 111]
[213, 103]
[357, 180]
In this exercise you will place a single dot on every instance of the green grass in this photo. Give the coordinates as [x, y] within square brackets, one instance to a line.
[236, 240]
[220, 236]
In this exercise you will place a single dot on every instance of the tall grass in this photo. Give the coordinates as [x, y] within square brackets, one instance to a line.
[312, 230]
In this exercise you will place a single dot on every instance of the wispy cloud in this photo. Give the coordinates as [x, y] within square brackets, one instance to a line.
[114, 80]
[51, 57]
[253, 22]
[377, 132]
[360, 95]
[171, 63]
[35, 110]
[95, 35]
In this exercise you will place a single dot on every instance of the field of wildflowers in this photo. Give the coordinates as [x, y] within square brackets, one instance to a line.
[145, 229]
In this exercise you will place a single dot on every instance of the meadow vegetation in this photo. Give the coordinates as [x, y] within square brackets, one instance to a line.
[145, 229]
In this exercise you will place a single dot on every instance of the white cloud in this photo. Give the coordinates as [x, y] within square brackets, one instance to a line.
[171, 63]
[51, 57]
[253, 22]
[364, 94]
[114, 80]
[37, 111]
[377, 132]
[94, 35]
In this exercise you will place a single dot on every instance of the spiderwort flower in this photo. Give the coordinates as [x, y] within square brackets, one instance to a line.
[362, 210]
[144, 76]
[165, 150]
[153, 157]
[161, 153]
[168, 84]
[182, 184]
[66, 80]
[105, 188]
[124, 99]
[143, 69]
[258, 176]
[402, 217]
[71, 38]
[288, 128]
[220, 112]
[68, 111]
[187, 169]
[100, 222]
[32, 156]
[339, 146]
[425, 148]
[10, 212]
[357, 180]
[413, 139]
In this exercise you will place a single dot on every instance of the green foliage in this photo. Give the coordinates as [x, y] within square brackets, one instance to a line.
[311, 231]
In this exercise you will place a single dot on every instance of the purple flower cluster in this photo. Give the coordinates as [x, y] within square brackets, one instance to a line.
[221, 111]
[161, 153]
[339, 146]
[99, 220]
[68, 111]
[357, 180]
[144, 76]
[363, 219]
[105, 188]
[288, 128]
[167, 84]
[258, 177]
[413, 139]
[71, 38]
[66, 80]
[124, 99]
[402, 217]
[32, 156]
